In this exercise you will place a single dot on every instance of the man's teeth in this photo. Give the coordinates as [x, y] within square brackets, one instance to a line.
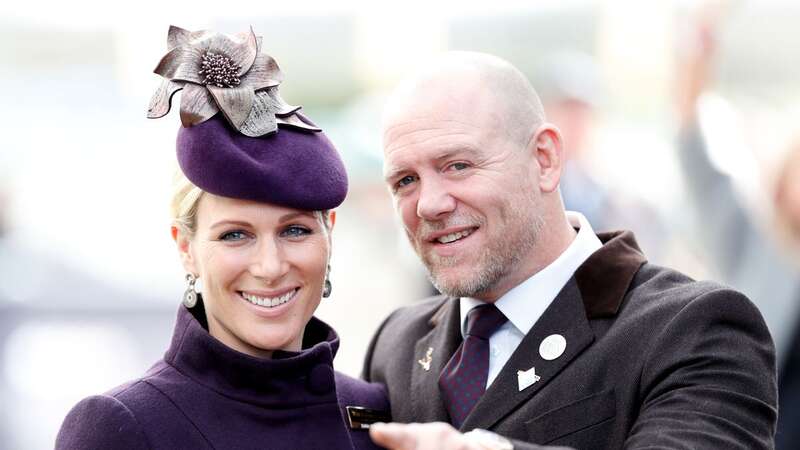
[269, 302]
[453, 237]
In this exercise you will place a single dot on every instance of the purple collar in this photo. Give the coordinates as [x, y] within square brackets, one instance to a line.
[290, 379]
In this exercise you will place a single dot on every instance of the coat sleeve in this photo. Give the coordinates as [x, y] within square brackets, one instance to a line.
[709, 380]
[100, 422]
[736, 245]
[366, 370]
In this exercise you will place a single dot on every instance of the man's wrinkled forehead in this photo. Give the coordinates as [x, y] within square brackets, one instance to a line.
[437, 114]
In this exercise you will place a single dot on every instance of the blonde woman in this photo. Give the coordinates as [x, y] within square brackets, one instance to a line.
[249, 366]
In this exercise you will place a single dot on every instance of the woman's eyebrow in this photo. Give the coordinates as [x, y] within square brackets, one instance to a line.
[230, 222]
[294, 215]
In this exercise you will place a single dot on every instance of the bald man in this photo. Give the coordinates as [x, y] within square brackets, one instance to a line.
[546, 333]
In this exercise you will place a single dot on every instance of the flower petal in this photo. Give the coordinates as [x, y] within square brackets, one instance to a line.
[161, 102]
[181, 63]
[197, 105]
[284, 109]
[263, 73]
[241, 52]
[235, 102]
[295, 121]
[262, 116]
[177, 37]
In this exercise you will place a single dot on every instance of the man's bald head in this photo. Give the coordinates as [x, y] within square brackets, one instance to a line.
[469, 81]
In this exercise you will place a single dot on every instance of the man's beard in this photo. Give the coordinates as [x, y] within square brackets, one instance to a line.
[501, 256]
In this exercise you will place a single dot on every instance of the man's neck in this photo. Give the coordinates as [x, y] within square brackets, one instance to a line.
[549, 246]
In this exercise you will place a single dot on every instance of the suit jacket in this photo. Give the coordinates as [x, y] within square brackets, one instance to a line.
[205, 395]
[653, 360]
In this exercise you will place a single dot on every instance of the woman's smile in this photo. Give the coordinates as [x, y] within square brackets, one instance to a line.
[269, 301]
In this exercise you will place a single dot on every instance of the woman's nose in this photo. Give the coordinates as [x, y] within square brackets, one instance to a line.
[269, 262]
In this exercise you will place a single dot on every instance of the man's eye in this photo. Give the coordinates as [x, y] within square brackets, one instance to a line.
[233, 236]
[405, 181]
[459, 166]
[295, 231]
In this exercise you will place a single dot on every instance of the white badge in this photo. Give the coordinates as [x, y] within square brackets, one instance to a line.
[526, 378]
[552, 347]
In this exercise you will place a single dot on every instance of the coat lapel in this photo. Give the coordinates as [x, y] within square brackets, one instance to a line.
[565, 316]
[444, 338]
[596, 290]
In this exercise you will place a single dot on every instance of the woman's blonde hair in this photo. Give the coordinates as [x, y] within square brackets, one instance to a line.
[186, 197]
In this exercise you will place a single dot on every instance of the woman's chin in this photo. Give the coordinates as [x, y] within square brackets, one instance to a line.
[271, 340]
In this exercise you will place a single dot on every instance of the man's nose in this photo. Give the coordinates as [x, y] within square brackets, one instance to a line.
[435, 201]
[269, 261]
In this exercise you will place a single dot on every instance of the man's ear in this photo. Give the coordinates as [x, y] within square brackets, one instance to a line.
[548, 149]
[184, 244]
[332, 218]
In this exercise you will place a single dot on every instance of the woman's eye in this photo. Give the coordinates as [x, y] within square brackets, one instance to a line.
[295, 231]
[233, 236]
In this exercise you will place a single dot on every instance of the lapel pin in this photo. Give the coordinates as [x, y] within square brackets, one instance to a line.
[426, 361]
[552, 347]
[525, 378]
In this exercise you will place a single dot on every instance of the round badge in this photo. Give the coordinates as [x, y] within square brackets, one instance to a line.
[552, 347]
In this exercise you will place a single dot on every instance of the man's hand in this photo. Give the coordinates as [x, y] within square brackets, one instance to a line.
[420, 436]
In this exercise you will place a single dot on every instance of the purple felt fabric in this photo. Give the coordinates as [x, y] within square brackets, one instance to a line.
[204, 395]
[295, 168]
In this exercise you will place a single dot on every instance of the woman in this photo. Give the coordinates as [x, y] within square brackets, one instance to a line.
[248, 366]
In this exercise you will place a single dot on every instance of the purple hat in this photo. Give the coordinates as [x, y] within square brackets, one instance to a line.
[260, 148]
[296, 168]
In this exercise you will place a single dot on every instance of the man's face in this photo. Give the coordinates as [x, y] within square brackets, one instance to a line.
[466, 193]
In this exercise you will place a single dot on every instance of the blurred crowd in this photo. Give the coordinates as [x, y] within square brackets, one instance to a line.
[716, 222]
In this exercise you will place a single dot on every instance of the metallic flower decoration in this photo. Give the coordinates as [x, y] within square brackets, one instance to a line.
[218, 72]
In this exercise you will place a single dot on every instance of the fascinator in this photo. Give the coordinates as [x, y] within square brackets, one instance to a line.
[239, 138]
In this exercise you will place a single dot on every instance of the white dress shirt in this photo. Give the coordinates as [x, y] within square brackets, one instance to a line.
[525, 303]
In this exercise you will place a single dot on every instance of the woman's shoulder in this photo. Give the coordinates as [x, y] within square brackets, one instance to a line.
[355, 392]
[101, 421]
[118, 418]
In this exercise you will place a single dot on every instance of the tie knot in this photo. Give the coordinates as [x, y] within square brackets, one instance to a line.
[484, 320]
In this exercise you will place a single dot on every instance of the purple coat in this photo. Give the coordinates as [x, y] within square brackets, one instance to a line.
[204, 395]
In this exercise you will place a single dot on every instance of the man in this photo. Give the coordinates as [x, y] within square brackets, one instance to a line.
[546, 333]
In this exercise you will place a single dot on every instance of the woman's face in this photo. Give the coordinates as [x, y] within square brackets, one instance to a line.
[262, 268]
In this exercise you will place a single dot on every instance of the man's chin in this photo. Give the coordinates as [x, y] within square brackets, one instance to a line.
[453, 284]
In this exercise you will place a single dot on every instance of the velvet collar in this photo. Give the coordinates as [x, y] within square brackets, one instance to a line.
[289, 379]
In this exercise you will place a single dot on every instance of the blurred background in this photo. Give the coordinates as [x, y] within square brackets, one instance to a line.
[679, 119]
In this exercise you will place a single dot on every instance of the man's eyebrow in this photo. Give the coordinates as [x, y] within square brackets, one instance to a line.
[456, 151]
[393, 173]
[446, 153]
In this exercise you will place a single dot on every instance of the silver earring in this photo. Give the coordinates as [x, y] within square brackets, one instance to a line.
[190, 296]
[326, 292]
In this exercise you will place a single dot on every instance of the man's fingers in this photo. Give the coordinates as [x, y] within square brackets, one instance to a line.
[394, 436]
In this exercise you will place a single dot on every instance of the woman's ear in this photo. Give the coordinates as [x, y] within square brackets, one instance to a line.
[332, 218]
[184, 244]
[549, 153]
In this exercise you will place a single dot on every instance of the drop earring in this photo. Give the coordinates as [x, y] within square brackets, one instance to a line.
[190, 296]
[326, 291]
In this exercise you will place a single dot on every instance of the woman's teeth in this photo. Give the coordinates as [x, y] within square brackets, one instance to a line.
[448, 238]
[267, 301]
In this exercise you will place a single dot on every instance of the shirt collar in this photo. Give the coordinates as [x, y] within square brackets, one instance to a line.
[525, 303]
